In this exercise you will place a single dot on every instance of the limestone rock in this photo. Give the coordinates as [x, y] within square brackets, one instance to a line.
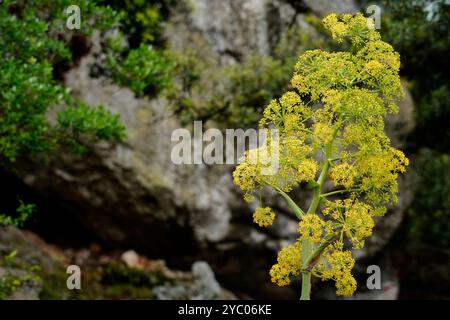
[204, 286]
[324, 7]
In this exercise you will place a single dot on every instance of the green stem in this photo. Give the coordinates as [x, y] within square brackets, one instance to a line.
[306, 245]
[308, 131]
[338, 191]
[306, 275]
[306, 286]
[314, 256]
[320, 181]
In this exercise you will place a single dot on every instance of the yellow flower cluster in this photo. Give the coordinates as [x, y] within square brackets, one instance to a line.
[293, 166]
[382, 64]
[245, 177]
[345, 284]
[340, 264]
[256, 168]
[307, 170]
[356, 105]
[338, 29]
[374, 68]
[298, 83]
[357, 28]
[318, 69]
[311, 228]
[289, 264]
[353, 218]
[379, 173]
[290, 104]
[323, 133]
[343, 174]
[358, 225]
[289, 100]
[292, 123]
[263, 217]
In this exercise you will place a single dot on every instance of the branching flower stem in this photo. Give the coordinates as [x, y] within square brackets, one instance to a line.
[323, 195]
[306, 245]
[315, 254]
[346, 112]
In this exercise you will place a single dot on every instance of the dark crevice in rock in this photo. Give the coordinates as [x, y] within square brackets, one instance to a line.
[236, 55]
[79, 45]
[298, 6]
[52, 219]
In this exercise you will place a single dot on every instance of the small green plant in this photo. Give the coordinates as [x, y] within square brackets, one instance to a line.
[331, 127]
[232, 95]
[9, 282]
[24, 211]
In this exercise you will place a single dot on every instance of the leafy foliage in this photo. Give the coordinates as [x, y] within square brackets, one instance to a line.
[10, 282]
[24, 211]
[144, 70]
[32, 40]
[229, 96]
[233, 95]
[428, 214]
[332, 121]
[142, 20]
[133, 56]
[29, 45]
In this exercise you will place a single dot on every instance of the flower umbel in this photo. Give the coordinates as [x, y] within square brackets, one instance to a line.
[331, 125]
[263, 217]
[311, 228]
[289, 264]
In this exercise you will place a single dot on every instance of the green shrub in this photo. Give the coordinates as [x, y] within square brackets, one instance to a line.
[235, 95]
[32, 40]
[28, 47]
[10, 282]
[144, 70]
[428, 216]
[142, 20]
[24, 211]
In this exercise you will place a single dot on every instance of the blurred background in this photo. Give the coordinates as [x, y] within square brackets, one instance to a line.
[75, 190]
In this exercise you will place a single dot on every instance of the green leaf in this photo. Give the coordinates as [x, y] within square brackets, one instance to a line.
[294, 207]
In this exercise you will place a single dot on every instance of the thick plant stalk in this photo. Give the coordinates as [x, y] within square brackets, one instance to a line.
[306, 286]
[306, 245]
[306, 274]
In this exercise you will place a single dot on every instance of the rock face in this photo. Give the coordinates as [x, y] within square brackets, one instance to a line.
[323, 7]
[28, 254]
[102, 275]
[202, 286]
[132, 195]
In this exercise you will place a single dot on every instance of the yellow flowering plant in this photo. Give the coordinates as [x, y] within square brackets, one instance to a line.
[331, 127]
